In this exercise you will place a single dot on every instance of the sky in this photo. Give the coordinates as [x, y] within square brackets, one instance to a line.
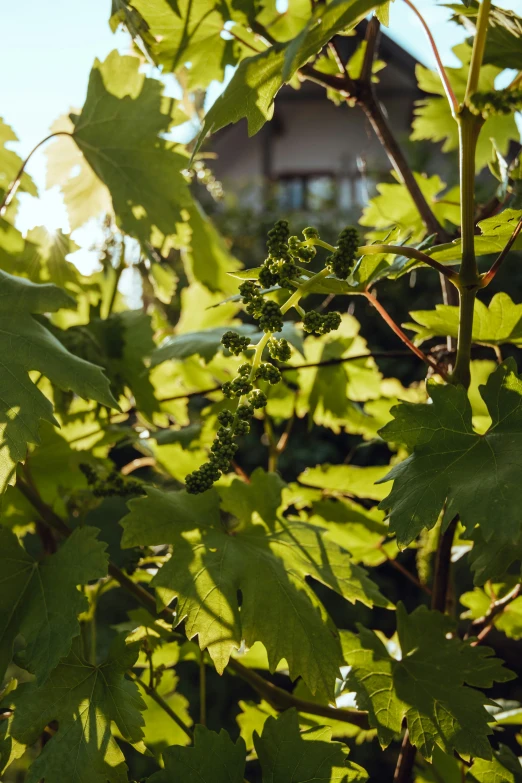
[48, 49]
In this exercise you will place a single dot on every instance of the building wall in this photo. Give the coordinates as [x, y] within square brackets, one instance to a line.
[309, 140]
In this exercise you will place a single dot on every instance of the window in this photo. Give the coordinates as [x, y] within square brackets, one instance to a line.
[316, 192]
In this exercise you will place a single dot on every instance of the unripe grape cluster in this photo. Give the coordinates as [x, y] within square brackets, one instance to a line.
[321, 323]
[342, 262]
[279, 349]
[235, 342]
[280, 268]
[109, 483]
[497, 102]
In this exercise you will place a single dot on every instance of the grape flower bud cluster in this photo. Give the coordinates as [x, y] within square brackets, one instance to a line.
[279, 269]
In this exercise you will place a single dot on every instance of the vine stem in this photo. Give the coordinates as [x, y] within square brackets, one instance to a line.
[470, 281]
[396, 250]
[483, 625]
[13, 187]
[448, 89]
[405, 339]
[479, 45]
[287, 368]
[410, 252]
[488, 277]
[202, 689]
[160, 701]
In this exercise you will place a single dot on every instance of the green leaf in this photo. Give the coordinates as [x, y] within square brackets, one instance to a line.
[10, 163]
[160, 731]
[288, 756]
[39, 600]
[213, 759]
[84, 193]
[505, 767]
[207, 256]
[85, 700]
[119, 131]
[394, 207]
[184, 32]
[348, 480]
[494, 235]
[123, 341]
[428, 686]
[358, 530]
[266, 558]
[206, 343]
[51, 265]
[453, 467]
[258, 79]
[503, 41]
[25, 344]
[433, 118]
[494, 324]
[478, 601]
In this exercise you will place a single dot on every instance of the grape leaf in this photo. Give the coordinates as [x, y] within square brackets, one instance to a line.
[26, 345]
[288, 756]
[266, 558]
[180, 32]
[84, 194]
[428, 686]
[348, 479]
[207, 256]
[85, 700]
[479, 600]
[213, 759]
[433, 118]
[494, 324]
[119, 132]
[358, 530]
[455, 468]
[258, 79]
[39, 600]
[10, 163]
[394, 207]
[206, 343]
[159, 732]
[505, 767]
[51, 265]
[495, 232]
[503, 42]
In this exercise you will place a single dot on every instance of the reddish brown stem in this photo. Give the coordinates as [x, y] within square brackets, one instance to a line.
[488, 277]
[405, 339]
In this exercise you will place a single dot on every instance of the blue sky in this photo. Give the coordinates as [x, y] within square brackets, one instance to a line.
[49, 48]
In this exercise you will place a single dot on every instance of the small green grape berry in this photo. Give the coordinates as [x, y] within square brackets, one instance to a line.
[227, 389]
[241, 427]
[277, 239]
[244, 412]
[310, 233]
[225, 418]
[244, 369]
[271, 319]
[254, 306]
[312, 321]
[268, 277]
[248, 289]
[268, 372]
[257, 399]
[279, 349]
[331, 322]
[235, 342]
[342, 262]
[288, 271]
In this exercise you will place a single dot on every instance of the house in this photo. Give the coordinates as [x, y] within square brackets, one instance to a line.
[314, 155]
